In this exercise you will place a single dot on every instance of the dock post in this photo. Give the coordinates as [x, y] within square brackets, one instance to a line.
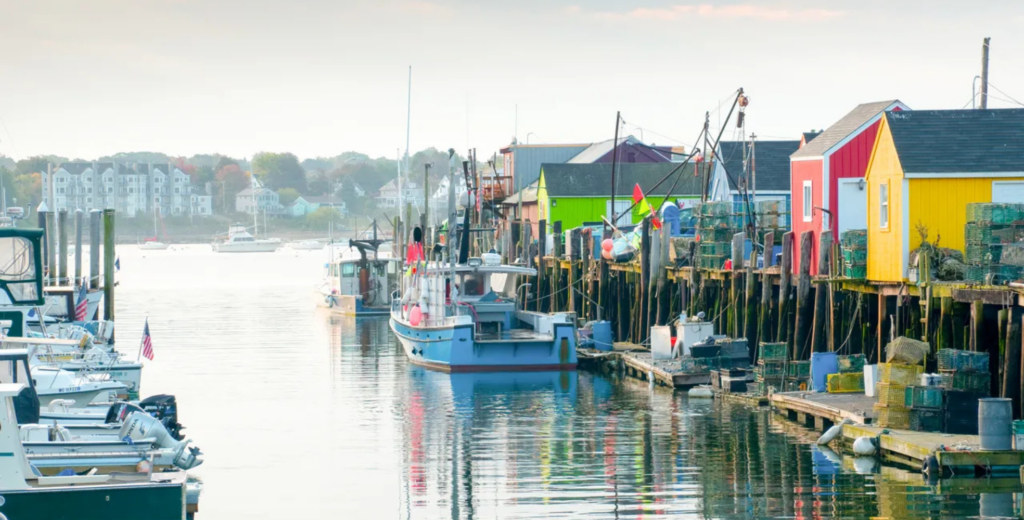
[109, 256]
[750, 295]
[42, 219]
[735, 324]
[542, 235]
[662, 287]
[94, 250]
[818, 343]
[62, 246]
[1012, 372]
[78, 246]
[946, 322]
[51, 241]
[804, 309]
[785, 277]
[556, 267]
[977, 323]
[645, 277]
[765, 314]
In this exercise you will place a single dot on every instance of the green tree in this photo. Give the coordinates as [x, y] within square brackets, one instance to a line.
[287, 195]
[321, 217]
[37, 164]
[230, 180]
[279, 170]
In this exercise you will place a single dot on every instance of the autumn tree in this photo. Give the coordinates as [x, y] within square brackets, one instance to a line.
[279, 170]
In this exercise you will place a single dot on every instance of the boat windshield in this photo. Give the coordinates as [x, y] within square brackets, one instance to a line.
[18, 264]
[472, 284]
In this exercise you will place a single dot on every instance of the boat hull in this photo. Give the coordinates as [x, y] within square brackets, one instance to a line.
[128, 374]
[153, 246]
[151, 501]
[453, 349]
[348, 305]
[247, 247]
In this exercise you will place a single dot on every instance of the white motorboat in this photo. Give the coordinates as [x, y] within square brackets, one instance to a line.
[153, 245]
[359, 280]
[240, 241]
[307, 245]
[53, 383]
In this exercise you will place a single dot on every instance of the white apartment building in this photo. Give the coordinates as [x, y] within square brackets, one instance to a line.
[411, 194]
[129, 189]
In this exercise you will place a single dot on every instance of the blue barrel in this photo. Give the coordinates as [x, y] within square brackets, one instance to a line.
[823, 364]
[603, 335]
[995, 418]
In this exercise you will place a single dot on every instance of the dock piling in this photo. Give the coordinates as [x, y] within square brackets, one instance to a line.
[78, 246]
[94, 249]
[108, 264]
[804, 305]
[818, 343]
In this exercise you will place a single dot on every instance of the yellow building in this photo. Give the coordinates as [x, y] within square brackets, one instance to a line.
[926, 167]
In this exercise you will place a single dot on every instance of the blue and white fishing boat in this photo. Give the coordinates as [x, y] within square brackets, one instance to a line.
[478, 327]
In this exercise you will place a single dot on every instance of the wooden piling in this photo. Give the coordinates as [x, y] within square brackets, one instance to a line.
[945, 322]
[62, 247]
[1012, 377]
[542, 230]
[645, 278]
[750, 296]
[785, 275]
[109, 258]
[94, 250]
[977, 322]
[804, 304]
[78, 247]
[735, 325]
[51, 240]
[818, 343]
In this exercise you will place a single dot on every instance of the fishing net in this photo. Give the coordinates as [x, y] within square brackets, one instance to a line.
[907, 351]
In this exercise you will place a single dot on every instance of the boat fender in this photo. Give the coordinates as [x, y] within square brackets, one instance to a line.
[864, 446]
[701, 391]
[931, 466]
[832, 433]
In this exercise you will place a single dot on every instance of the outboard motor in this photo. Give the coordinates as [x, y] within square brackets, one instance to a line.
[165, 408]
[26, 406]
[140, 425]
[120, 411]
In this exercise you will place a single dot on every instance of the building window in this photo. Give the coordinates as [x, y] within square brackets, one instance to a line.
[88, 200]
[110, 190]
[88, 190]
[883, 205]
[808, 202]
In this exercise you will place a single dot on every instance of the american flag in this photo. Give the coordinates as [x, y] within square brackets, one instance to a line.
[82, 307]
[147, 342]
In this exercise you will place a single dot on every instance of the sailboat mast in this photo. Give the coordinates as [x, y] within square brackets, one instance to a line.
[255, 211]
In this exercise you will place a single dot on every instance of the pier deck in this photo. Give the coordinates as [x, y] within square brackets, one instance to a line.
[637, 362]
[821, 411]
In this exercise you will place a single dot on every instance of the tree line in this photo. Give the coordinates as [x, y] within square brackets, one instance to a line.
[223, 177]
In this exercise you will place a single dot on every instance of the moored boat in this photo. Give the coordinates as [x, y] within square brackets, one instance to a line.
[240, 241]
[358, 280]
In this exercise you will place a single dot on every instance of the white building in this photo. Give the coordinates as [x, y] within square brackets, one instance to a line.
[129, 189]
[266, 201]
[411, 194]
[439, 196]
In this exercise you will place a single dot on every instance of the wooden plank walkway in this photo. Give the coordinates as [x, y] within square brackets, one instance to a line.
[959, 453]
[637, 362]
[821, 411]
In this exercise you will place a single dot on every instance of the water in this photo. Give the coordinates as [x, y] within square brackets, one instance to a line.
[304, 415]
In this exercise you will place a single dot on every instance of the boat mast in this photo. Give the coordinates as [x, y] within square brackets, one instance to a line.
[452, 215]
[255, 212]
[408, 127]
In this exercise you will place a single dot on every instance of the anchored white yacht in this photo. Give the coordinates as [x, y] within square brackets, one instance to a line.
[240, 241]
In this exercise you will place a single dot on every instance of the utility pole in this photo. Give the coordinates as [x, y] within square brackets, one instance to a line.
[615, 159]
[984, 73]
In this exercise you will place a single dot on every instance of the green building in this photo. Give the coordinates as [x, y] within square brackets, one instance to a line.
[578, 193]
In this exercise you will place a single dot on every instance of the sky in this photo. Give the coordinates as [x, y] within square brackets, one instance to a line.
[319, 77]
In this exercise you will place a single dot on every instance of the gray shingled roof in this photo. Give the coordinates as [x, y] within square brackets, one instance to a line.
[528, 158]
[76, 168]
[595, 180]
[809, 136]
[959, 141]
[842, 128]
[772, 162]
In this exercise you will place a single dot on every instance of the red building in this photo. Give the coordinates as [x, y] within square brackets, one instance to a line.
[828, 173]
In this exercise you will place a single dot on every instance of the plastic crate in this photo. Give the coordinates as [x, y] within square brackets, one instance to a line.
[926, 420]
[899, 374]
[771, 352]
[799, 369]
[851, 364]
[924, 396]
[891, 417]
[844, 383]
[967, 381]
[891, 395]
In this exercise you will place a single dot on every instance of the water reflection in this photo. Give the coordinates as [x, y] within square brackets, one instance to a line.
[578, 444]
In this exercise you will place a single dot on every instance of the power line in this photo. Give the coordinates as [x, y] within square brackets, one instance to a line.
[1005, 94]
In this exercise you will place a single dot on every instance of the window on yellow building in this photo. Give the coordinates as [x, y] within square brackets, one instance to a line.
[883, 205]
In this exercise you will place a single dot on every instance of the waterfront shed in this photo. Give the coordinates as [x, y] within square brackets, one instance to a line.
[828, 173]
[578, 193]
[926, 167]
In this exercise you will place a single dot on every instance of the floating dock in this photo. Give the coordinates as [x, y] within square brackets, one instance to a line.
[637, 361]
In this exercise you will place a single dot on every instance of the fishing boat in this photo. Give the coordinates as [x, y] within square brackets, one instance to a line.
[307, 245]
[359, 279]
[95, 496]
[478, 326]
[53, 383]
[240, 241]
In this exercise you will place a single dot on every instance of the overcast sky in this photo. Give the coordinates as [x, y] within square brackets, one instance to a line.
[84, 79]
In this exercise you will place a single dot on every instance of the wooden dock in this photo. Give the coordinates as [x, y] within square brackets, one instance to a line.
[821, 411]
[959, 455]
[637, 362]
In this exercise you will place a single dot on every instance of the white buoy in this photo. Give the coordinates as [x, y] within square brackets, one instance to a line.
[864, 446]
[701, 391]
[650, 378]
[832, 433]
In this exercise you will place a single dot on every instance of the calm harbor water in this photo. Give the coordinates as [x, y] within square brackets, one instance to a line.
[304, 415]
